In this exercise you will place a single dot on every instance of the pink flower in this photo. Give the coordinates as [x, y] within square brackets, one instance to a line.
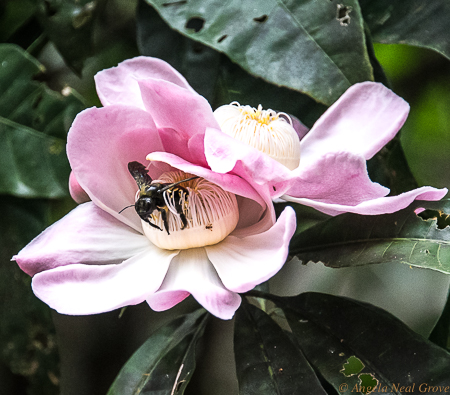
[96, 259]
[332, 175]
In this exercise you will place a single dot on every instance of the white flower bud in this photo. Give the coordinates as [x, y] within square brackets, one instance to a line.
[266, 130]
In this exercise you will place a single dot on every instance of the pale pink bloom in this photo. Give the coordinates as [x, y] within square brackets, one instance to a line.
[95, 260]
[332, 175]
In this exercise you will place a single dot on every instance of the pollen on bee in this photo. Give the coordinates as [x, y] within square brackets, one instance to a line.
[210, 213]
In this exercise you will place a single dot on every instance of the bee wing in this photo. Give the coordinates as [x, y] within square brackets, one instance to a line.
[139, 173]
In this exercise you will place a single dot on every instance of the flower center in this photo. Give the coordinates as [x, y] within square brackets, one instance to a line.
[266, 130]
[210, 213]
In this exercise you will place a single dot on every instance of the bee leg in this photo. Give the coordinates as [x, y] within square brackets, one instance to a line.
[180, 213]
[152, 224]
[164, 218]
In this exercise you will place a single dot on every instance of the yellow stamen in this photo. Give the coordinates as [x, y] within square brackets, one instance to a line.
[211, 214]
[266, 130]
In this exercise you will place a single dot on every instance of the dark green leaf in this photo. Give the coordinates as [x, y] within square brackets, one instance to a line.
[13, 15]
[378, 72]
[212, 74]
[198, 64]
[33, 126]
[165, 362]
[300, 45]
[441, 332]
[69, 25]
[415, 22]
[404, 236]
[27, 336]
[267, 361]
[306, 216]
[390, 168]
[334, 332]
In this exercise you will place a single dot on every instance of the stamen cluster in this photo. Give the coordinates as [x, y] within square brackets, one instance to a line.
[266, 130]
[211, 213]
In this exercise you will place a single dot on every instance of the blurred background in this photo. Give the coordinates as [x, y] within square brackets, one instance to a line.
[36, 344]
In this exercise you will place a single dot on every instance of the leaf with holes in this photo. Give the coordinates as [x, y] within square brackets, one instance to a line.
[421, 239]
[164, 364]
[33, 126]
[415, 22]
[314, 47]
[354, 343]
[267, 361]
[212, 74]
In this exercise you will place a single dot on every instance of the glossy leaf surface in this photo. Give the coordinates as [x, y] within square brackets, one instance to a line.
[165, 362]
[355, 343]
[415, 22]
[267, 361]
[269, 39]
[421, 240]
[33, 126]
[212, 74]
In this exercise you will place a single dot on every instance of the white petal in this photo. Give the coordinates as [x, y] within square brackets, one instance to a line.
[191, 272]
[244, 263]
[86, 235]
[89, 289]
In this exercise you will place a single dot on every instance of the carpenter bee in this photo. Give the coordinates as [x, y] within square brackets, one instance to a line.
[151, 196]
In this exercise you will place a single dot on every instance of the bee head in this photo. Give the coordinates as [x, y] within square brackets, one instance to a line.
[145, 206]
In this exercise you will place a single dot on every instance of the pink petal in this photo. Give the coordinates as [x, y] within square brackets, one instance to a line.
[243, 263]
[191, 150]
[78, 194]
[382, 205]
[226, 154]
[177, 108]
[119, 85]
[100, 144]
[90, 289]
[362, 121]
[301, 129]
[338, 178]
[247, 225]
[86, 235]
[191, 272]
[228, 182]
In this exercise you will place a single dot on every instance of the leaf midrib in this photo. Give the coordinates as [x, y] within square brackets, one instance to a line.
[360, 241]
[27, 129]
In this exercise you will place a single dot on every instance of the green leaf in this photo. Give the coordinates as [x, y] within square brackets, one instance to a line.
[300, 45]
[389, 166]
[212, 74]
[33, 126]
[165, 362]
[420, 23]
[27, 336]
[13, 15]
[405, 237]
[69, 25]
[306, 216]
[198, 64]
[267, 361]
[333, 332]
[441, 332]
